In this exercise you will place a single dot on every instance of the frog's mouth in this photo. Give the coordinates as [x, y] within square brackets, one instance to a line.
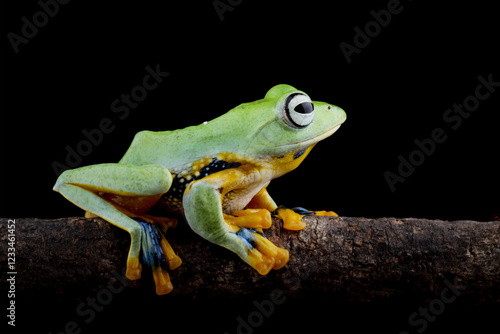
[310, 141]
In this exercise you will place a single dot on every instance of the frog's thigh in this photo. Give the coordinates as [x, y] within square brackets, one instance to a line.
[119, 179]
[80, 186]
[203, 210]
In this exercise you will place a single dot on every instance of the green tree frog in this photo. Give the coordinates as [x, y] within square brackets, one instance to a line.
[214, 174]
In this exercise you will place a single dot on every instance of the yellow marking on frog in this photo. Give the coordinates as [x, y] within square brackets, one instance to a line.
[101, 190]
[230, 157]
[197, 165]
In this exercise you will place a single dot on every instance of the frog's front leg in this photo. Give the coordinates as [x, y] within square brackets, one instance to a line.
[242, 234]
[118, 193]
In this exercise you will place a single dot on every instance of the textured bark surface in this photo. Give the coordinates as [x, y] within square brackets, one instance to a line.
[344, 258]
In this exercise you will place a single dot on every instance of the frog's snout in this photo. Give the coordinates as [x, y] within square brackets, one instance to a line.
[335, 115]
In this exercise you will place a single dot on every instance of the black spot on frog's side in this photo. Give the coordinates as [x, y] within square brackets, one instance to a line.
[180, 182]
[298, 154]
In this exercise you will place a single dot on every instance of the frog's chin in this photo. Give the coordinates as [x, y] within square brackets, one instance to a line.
[313, 140]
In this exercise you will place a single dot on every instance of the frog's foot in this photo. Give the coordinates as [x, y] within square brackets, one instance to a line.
[250, 218]
[292, 218]
[157, 253]
[260, 253]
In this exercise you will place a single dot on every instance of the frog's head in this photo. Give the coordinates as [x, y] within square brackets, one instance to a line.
[287, 120]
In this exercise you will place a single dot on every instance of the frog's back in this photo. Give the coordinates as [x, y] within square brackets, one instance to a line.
[170, 149]
[174, 149]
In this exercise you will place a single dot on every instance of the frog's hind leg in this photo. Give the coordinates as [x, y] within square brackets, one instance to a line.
[110, 191]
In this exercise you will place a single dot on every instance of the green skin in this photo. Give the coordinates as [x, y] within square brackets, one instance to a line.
[258, 133]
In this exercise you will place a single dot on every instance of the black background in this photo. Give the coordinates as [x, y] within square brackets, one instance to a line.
[394, 91]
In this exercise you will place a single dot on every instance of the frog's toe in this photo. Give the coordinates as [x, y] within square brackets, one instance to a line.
[162, 281]
[134, 268]
[281, 258]
[158, 255]
[325, 213]
[292, 218]
[261, 254]
[304, 212]
[250, 218]
[173, 260]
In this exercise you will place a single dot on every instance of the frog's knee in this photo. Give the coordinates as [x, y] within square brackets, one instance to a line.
[61, 180]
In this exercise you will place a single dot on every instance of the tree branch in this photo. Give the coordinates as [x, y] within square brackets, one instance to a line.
[350, 259]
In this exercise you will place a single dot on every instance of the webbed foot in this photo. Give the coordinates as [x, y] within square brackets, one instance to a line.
[292, 218]
[260, 253]
[157, 253]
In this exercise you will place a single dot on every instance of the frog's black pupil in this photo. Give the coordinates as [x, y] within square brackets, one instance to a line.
[304, 108]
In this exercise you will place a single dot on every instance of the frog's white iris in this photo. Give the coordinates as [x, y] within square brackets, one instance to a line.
[299, 110]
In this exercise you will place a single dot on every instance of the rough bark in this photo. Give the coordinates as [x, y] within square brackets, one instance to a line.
[345, 258]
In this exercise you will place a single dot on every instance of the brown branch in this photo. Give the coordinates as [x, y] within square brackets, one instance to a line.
[355, 259]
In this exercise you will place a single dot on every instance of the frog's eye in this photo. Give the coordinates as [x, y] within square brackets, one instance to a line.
[298, 111]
